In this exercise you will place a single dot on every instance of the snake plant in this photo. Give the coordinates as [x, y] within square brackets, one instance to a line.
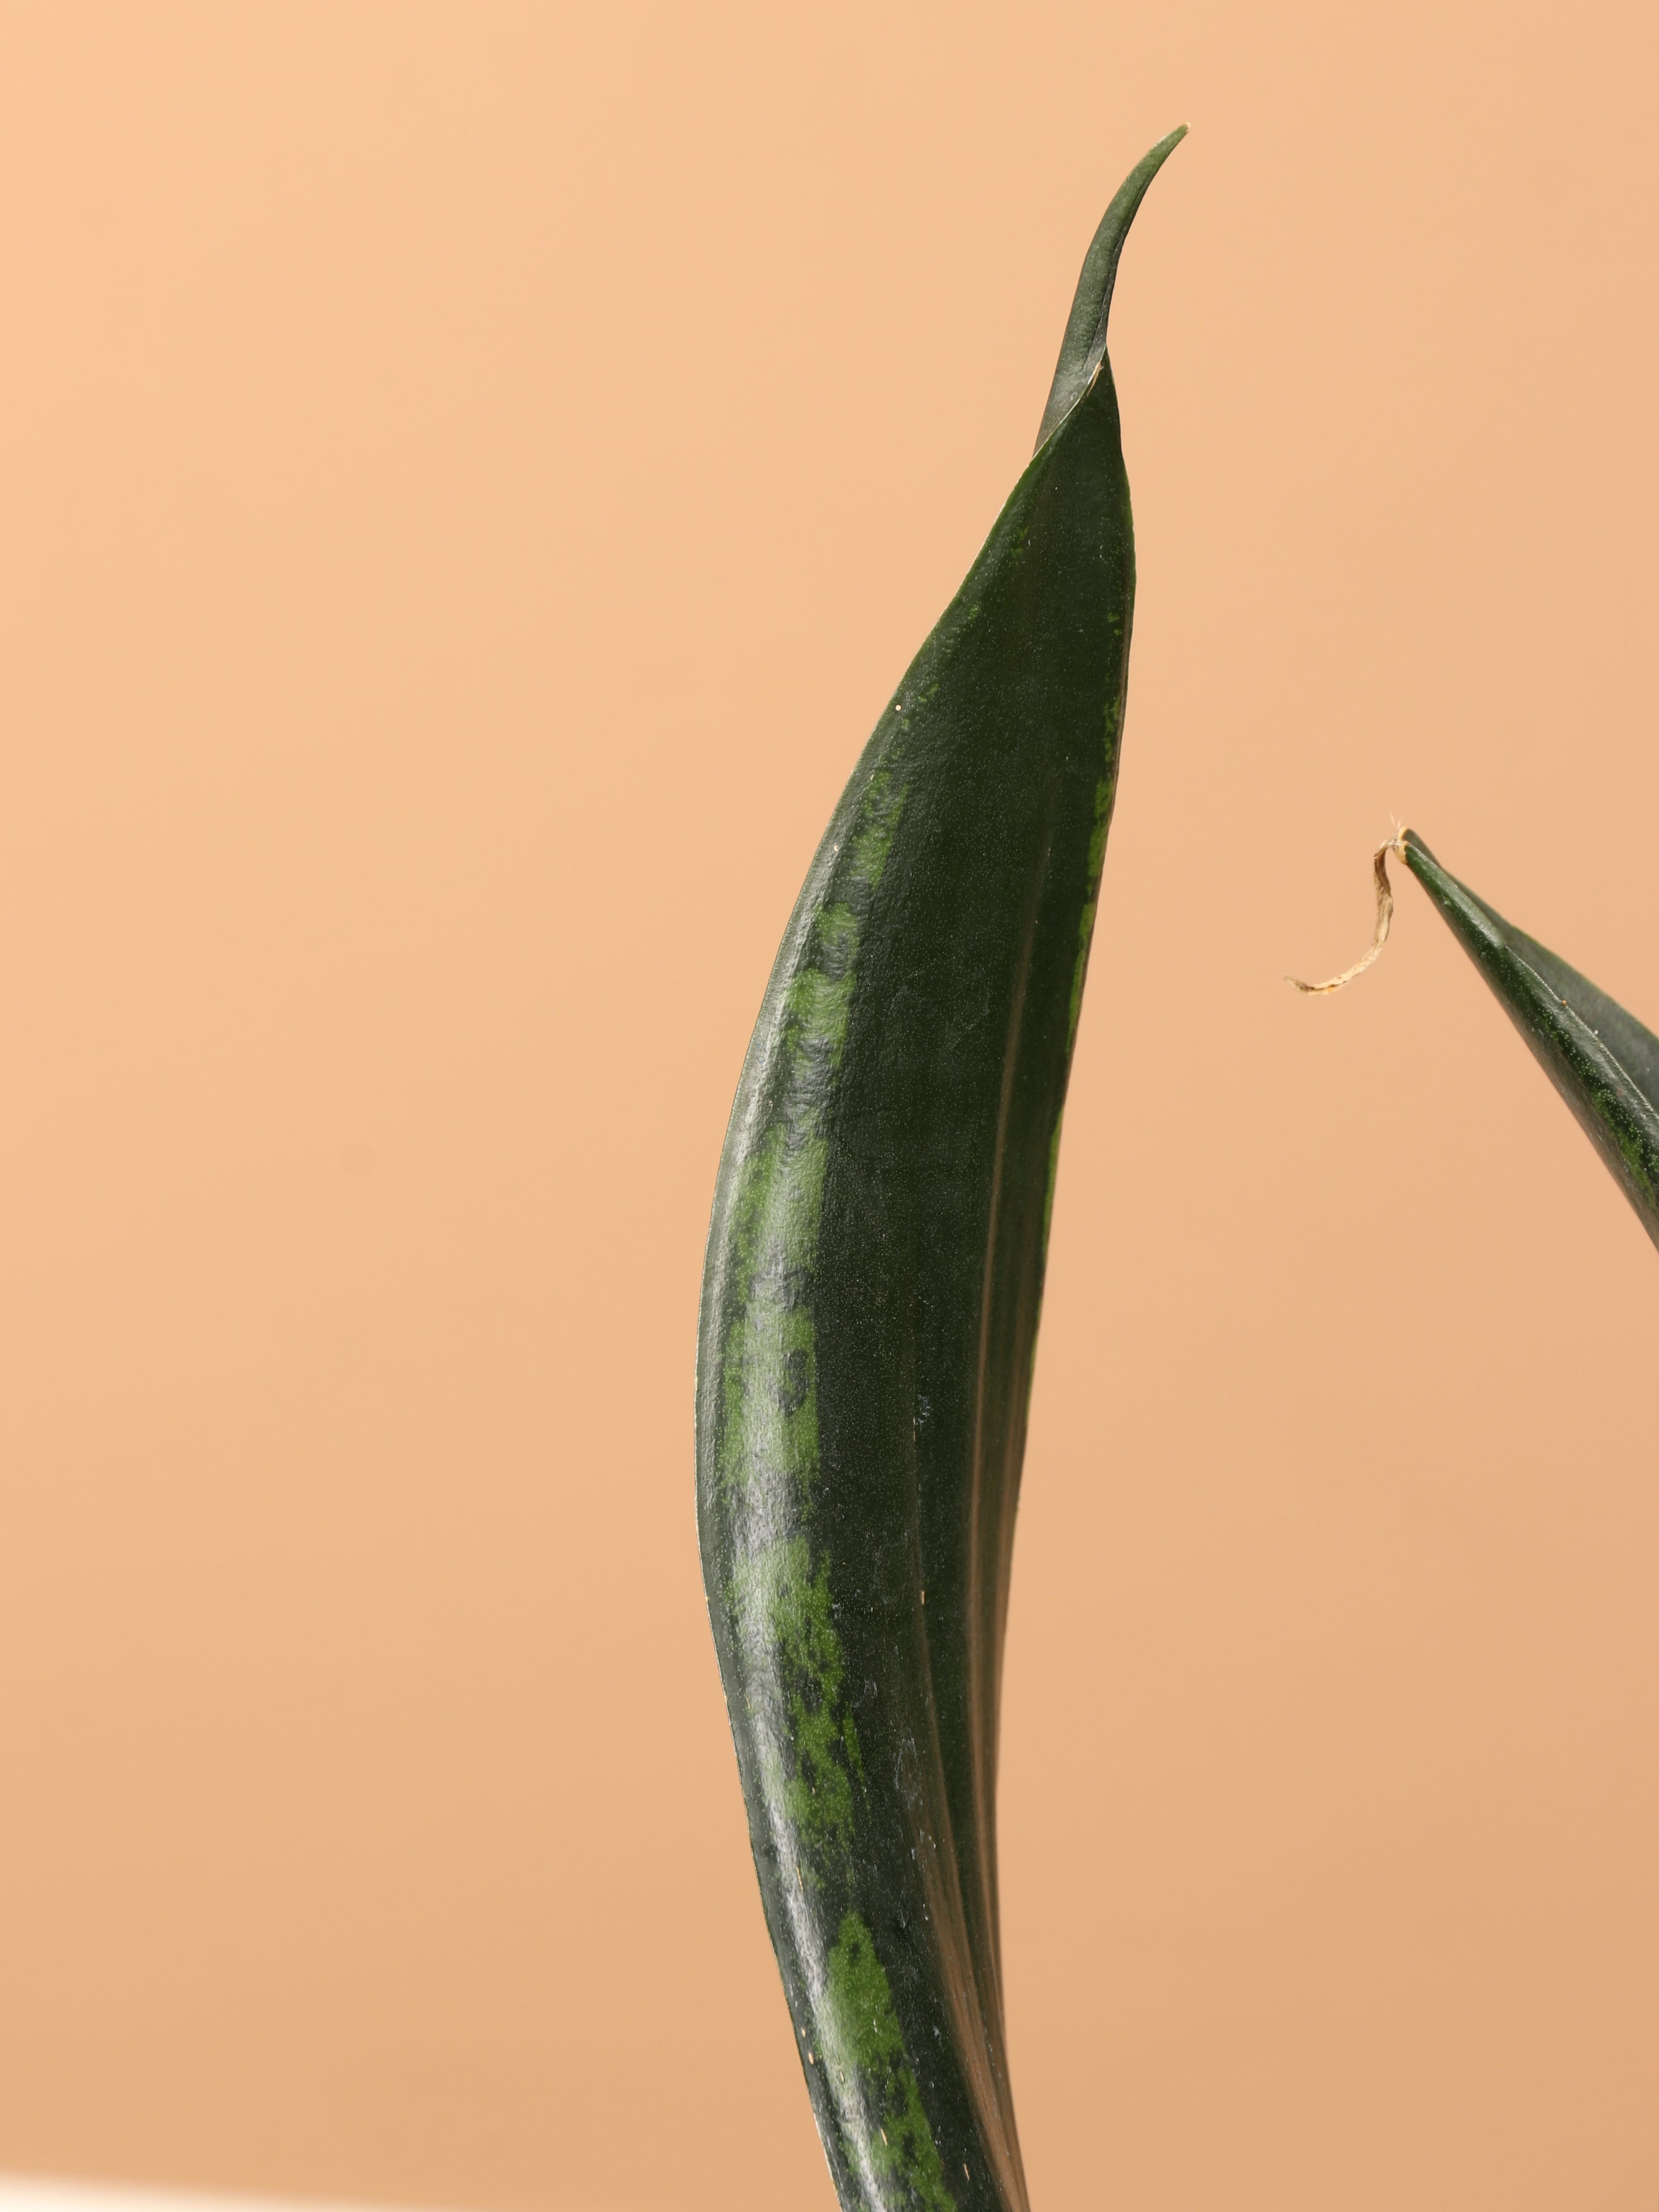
[870, 1296]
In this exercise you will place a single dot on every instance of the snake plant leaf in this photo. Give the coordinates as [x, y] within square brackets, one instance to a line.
[1602, 1060]
[870, 1296]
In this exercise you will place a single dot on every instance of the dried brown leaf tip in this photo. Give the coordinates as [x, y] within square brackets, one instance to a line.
[1384, 916]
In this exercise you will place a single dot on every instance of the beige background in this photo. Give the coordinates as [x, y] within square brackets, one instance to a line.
[471, 474]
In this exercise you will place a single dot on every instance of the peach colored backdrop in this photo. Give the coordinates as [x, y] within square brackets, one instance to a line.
[471, 474]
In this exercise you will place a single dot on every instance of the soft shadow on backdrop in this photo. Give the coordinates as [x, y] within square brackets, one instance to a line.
[472, 474]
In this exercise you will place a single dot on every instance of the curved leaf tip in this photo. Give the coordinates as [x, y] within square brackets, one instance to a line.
[1084, 346]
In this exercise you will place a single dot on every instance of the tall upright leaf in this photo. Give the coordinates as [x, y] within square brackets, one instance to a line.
[871, 1297]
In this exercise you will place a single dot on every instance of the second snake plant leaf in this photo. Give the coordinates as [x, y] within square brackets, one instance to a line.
[1602, 1060]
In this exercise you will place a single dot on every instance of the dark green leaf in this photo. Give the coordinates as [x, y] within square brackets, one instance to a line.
[870, 1307]
[1601, 1059]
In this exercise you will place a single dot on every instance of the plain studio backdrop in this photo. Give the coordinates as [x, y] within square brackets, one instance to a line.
[472, 476]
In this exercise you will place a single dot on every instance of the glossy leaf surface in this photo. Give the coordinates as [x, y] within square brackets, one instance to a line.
[1602, 1060]
[871, 1297]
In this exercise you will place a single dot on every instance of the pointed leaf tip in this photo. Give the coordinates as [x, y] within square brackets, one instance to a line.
[1084, 346]
[1604, 1062]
